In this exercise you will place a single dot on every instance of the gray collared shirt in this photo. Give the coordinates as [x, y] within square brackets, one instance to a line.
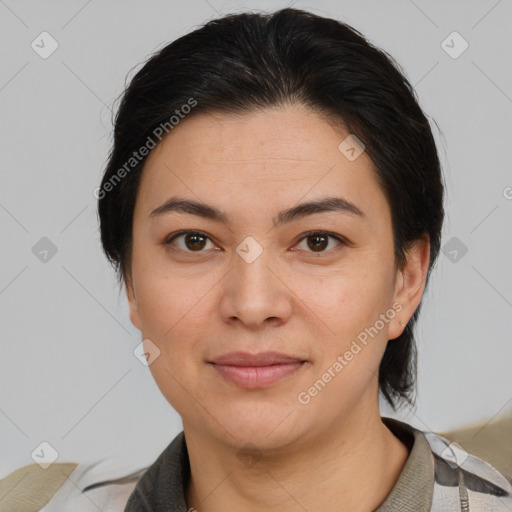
[438, 476]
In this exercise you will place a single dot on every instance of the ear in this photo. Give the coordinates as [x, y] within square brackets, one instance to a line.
[132, 303]
[410, 284]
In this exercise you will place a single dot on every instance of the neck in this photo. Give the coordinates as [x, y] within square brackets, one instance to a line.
[354, 465]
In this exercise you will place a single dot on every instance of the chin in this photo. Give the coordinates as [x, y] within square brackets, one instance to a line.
[266, 426]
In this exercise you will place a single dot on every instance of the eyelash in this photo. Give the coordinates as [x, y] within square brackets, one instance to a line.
[168, 241]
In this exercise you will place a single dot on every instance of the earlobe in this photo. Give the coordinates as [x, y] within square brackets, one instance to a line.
[132, 304]
[410, 283]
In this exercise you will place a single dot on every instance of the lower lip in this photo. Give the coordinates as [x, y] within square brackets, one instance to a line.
[253, 377]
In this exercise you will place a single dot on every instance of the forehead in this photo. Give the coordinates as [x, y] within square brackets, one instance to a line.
[275, 156]
[293, 134]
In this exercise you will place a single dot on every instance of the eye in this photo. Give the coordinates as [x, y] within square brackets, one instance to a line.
[192, 241]
[195, 241]
[317, 241]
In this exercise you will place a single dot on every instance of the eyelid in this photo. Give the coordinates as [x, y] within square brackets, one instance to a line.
[342, 241]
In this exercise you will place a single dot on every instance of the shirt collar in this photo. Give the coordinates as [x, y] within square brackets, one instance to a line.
[163, 486]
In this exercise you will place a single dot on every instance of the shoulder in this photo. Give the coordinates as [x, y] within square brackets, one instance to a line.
[465, 479]
[70, 486]
[163, 484]
[441, 475]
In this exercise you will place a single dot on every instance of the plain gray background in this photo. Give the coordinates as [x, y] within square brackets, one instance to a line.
[68, 375]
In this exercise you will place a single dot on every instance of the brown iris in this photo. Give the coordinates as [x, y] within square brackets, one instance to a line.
[194, 241]
[322, 245]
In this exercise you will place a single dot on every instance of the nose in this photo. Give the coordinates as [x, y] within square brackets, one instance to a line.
[256, 291]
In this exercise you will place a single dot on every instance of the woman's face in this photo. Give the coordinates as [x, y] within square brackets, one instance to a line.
[249, 285]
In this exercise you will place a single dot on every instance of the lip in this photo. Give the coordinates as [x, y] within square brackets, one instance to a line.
[260, 359]
[256, 370]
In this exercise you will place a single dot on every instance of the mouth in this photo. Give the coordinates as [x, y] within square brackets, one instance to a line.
[252, 371]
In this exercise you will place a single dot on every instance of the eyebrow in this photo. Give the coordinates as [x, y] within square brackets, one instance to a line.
[326, 204]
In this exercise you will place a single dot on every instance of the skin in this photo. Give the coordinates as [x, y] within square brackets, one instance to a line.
[195, 306]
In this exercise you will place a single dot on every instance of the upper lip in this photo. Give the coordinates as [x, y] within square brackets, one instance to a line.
[260, 359]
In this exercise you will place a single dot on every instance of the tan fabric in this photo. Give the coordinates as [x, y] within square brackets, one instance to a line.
[30, 488]
[108, 497]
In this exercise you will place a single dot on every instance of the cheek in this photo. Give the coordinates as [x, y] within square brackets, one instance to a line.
[171, 317]
[162, 298]
[356, 340]
[172, 311]
[349, 301]
[160, 307]
[351, 305]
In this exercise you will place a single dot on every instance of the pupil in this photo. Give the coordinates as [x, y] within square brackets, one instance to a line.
[194, 237]
[322, 245]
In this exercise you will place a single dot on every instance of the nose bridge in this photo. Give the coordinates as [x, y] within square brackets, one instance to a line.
[255, 291]
[251, 266]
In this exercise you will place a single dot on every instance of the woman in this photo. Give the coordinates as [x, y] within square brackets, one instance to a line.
[273, 203]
